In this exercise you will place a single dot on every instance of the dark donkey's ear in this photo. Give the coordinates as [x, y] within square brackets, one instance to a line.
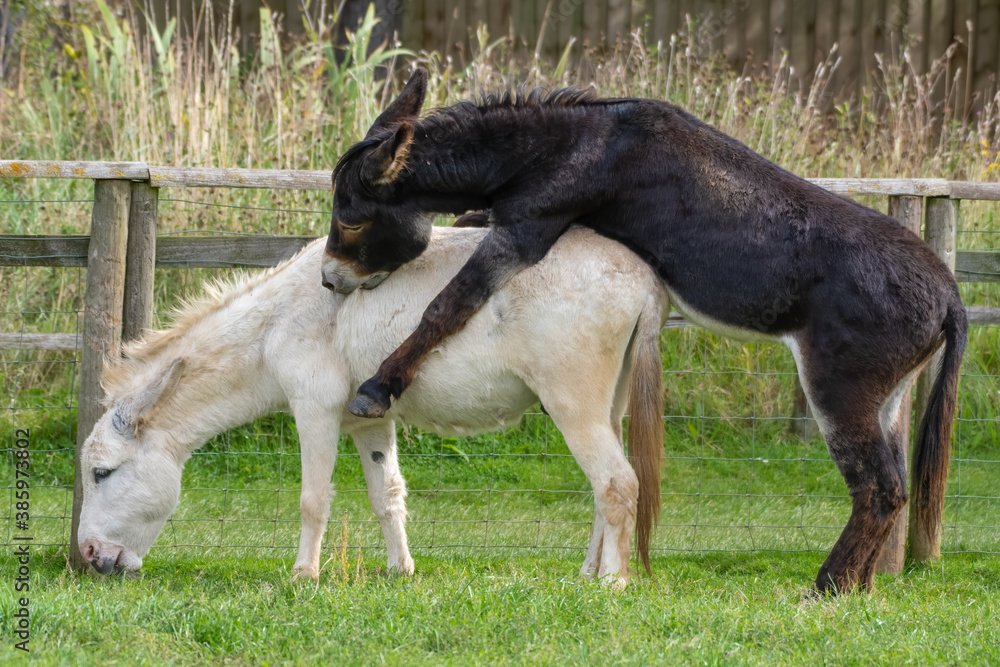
[407, 106]
[382, 165]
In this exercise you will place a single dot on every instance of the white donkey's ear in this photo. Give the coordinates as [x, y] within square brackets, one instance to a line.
[159, 388]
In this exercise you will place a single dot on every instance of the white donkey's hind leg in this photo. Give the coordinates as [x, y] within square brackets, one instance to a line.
[592, 563]
[386, 490]
[616, 493]
[319, 430]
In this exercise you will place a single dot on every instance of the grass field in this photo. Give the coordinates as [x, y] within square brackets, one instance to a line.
[498, 522]
[700, 609]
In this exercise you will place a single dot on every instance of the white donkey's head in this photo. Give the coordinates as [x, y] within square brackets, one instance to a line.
[131, 477]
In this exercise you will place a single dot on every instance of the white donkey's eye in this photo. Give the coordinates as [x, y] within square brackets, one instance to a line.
[101, 473]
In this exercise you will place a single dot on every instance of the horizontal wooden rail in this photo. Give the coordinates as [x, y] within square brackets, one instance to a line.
[977, 266]
[231, 250]
[188, 252]
[40, 341]
[921, 187]
[280, 179]
[133, 171]
[301, 179]
[64, 342]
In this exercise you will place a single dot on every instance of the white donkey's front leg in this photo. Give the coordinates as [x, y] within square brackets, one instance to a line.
[386, 489]
[319, 430]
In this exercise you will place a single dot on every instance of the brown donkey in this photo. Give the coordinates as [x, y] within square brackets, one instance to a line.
[744, 248]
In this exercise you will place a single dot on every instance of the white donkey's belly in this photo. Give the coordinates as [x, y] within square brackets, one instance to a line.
[462, 395]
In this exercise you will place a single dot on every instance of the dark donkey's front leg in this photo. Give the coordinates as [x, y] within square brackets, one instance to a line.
[502, 253]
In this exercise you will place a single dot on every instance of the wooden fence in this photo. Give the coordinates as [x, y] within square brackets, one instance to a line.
[122, 250]
[748, 32]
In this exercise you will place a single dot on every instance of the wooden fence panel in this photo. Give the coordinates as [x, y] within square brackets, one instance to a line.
[805, 29]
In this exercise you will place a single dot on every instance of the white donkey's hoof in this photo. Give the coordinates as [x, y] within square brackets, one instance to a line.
[615, 582]
[305, 573]
[403, 567]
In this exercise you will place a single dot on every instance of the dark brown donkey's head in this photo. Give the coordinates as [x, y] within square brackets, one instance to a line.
[376, 228]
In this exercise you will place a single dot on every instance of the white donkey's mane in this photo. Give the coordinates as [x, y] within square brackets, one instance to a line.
[128, 374]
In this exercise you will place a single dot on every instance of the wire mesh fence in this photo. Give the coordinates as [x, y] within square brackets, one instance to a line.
[738, 476]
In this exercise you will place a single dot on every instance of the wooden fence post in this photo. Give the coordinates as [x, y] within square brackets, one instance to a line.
[102, 321]
[908, 211]
[925, 521]
[802, 423]
[137, 310]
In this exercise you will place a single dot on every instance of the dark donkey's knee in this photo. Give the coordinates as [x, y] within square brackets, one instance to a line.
[498, 257]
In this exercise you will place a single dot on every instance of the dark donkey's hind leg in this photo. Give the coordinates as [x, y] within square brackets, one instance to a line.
[859, 414]
[875, 472]
[474, 219]
[502, 253]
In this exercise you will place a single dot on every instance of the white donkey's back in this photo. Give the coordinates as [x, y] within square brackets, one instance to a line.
[571, 331]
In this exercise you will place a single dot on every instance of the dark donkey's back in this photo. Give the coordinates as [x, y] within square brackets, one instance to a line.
[744, 247]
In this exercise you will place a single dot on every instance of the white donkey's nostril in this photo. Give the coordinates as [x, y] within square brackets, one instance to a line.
[91, 551]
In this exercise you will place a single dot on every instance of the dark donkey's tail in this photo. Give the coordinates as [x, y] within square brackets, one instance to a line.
[933, 446]
[645, 424]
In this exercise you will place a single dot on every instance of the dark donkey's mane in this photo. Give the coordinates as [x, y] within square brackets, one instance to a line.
[458, 117]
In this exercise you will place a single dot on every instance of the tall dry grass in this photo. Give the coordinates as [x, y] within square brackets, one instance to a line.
[119, 89]
[112, 87]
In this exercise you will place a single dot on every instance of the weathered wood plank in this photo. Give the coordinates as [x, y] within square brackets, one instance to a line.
[941, 234]
[734, 38]
[977, 266]
[918, 26]
[978, 315]
[93, 170]
[942, 228]
[64, 251]
[226, 251]
[214, 251]
[803, 32]
[908, 211]
[868, 35]
[188, 252]
[827, 28]
[981, 315]
[160, 176]
[102, 322]
[137, 310]
[57, 342]
[923, 187]
[847, 80]
[207, 177]
[987, 42]
[781, 14]
[974, 190]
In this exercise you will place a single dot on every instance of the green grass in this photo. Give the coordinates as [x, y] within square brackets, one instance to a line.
[699, 609]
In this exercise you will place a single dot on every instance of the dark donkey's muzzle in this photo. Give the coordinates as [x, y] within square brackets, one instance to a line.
[343, 277]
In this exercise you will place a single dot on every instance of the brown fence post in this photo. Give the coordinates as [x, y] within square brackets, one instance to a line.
[102, 321]
[802, 423]
[908, 211]
[137, 310]
[925, 521]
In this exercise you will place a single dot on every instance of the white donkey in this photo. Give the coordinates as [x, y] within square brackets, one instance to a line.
[579, 331]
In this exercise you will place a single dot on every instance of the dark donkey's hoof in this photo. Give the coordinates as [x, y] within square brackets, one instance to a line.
[371, 402]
